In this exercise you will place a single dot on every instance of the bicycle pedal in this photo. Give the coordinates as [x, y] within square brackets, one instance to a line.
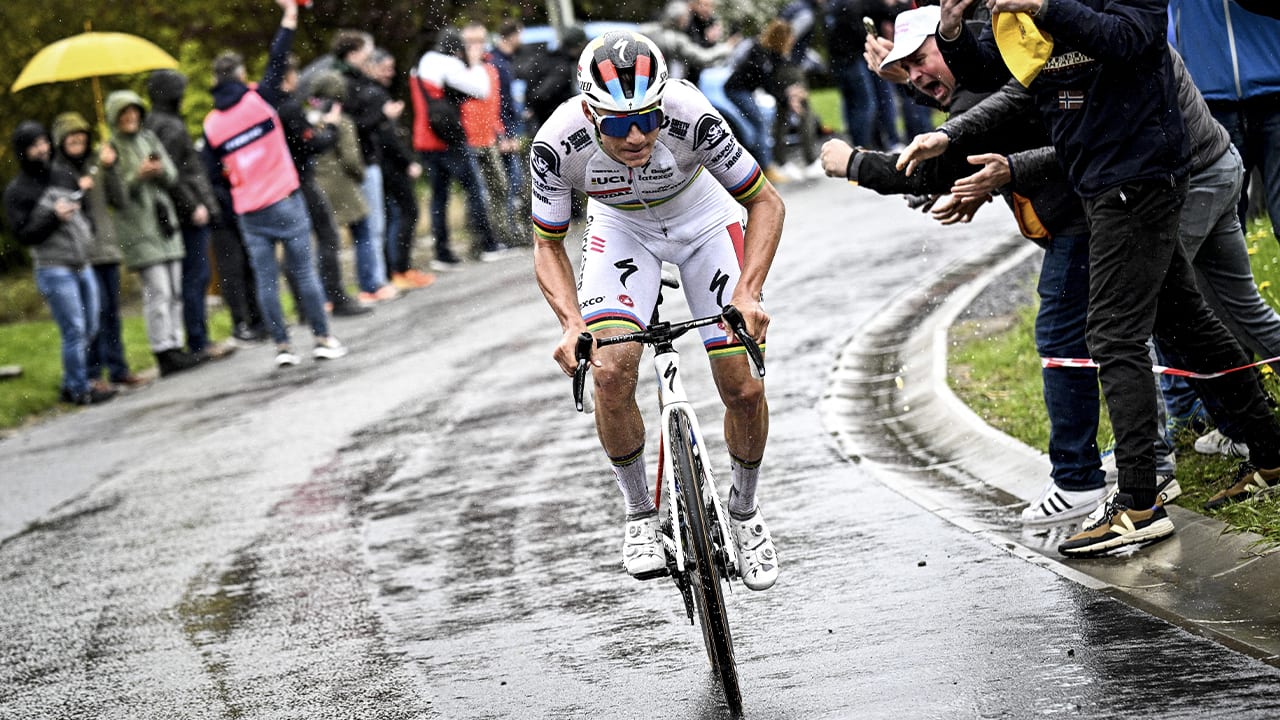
[653, 574]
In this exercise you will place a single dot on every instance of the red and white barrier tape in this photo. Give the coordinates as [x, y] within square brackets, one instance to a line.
[1157, 369]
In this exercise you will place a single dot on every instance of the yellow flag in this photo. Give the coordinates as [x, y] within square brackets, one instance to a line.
[1024, 47]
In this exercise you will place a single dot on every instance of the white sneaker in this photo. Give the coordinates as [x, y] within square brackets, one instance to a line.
[501, 252]
[1215, 443]
[1057, 505]
[1170, 491]
[757, 558]
[285, 357]
[814, 171]
[328, 348]
[642, 553]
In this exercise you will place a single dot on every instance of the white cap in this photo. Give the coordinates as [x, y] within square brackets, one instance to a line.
[910, 31]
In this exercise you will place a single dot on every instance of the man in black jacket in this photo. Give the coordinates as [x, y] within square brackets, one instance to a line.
[1109, 97]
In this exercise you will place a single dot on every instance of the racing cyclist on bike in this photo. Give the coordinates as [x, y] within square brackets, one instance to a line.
[666, 181]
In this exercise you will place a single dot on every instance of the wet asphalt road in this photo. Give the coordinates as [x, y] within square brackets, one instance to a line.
[426, 529]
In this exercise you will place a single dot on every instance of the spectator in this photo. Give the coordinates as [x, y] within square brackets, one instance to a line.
[339, 173]
[400, 173]
[45, 214]
[553, 79]
[1132, 177]
[704, 29]
[192, 200]
[846, 37]
[762, 66]
[73, 153]
[685, 56]
[257, 168]
[482, 121]
[370, 107]
[445, 77]
[510, 145]
[147, 226]
[1234, 57]
[309, 133]
[803, 16]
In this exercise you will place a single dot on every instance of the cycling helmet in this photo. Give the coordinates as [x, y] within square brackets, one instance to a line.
[622, 71]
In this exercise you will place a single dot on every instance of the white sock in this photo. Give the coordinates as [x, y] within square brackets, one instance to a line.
[742, 501]
[629, 471]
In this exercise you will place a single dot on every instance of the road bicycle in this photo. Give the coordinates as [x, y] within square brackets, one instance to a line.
[700, 550]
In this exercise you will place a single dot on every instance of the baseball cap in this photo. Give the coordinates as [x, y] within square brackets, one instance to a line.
[910, 31]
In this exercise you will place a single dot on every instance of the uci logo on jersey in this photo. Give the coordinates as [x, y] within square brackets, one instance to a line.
[608, 180]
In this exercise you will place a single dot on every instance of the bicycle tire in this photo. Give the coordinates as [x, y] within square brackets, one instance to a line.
[704, 579]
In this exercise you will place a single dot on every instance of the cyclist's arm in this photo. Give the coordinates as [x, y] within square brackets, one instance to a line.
[555, 278]
[765, 213]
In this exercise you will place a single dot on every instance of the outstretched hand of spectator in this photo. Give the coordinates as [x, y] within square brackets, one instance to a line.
[835, 158]
[993, 175]
[923, 147]
[874, 52]
[951, 210]
[952, 18]
[393, 109]
[1013, 6]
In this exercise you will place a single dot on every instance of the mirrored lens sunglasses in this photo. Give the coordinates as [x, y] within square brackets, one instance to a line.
[619, 126]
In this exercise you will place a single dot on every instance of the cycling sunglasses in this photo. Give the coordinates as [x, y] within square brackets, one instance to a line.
[619, 126]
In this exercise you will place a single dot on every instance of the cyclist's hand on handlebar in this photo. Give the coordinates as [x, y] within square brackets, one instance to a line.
[564, 353]
[753, 314]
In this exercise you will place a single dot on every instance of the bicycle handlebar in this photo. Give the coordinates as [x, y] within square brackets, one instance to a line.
[664, 333]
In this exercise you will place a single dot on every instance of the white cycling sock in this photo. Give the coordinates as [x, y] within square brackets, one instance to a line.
[632, 480]
[742, 501]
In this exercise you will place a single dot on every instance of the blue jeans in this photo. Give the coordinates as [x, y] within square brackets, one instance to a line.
[757, 130]
[444, 167]
[285, 222]
[1070, 394]
[107, 348]
[371, 188]
[1256, 133]
[72, 296]
[858, 97]
[367, 252]
[195, 281]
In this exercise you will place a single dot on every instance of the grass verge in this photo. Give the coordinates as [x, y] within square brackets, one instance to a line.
[994, 369]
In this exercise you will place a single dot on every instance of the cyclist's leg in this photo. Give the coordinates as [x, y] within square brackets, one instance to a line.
[617, 288]
[710, 273]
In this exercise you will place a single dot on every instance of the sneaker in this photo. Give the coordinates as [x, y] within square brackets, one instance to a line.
[131, 380]
[350, 309]
[757, 558]
[1215, 443]
[328, 348]
[1166, 485]
[1248, 483]
[446, 263]
[412, 279]
[775, 175]
[642, 553]
[498, 252]
[382, 294]
[285, 357]
[246, 333]
[93, 396]
[1057, 505]
[1120, 526]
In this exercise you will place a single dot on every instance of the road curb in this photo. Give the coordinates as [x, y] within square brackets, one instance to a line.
[888, 407]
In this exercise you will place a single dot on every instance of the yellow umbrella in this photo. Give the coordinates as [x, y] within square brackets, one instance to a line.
[90, 55]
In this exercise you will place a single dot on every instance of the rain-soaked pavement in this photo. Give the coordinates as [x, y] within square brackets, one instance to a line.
[426, 529]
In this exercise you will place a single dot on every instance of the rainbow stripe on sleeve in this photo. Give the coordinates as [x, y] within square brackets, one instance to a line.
[750, 187]
[549, 230]
[724, 347]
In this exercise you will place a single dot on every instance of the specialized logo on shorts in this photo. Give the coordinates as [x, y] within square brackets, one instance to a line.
[718, 284]
[544, 160]
[595, 244]
[626, 300]
[709, 131]
[628, 268]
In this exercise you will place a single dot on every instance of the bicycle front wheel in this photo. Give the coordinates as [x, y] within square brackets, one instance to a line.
[704, 578]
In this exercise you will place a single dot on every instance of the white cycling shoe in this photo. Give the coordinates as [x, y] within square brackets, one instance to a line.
[642, 553]
[757, 558]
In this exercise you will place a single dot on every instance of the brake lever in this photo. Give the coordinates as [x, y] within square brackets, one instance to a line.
[739, 325]
[582, 351]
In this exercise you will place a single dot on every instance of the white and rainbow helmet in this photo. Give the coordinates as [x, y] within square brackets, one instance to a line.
[621, 72]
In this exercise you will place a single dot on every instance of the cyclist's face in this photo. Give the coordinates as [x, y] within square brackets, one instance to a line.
[633, 150]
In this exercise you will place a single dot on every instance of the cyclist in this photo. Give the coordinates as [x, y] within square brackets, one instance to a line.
[666, 181]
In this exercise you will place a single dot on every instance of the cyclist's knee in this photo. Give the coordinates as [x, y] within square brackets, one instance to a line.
[745, 396]
[615, 382]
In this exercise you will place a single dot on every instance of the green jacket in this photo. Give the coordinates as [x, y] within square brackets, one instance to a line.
[140, 204]
[339, 173]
